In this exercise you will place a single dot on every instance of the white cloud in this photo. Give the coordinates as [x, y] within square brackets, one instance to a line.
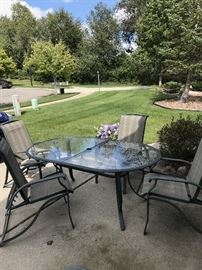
[5, 8]
[120, 15]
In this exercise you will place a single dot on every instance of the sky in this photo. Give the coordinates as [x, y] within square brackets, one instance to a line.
[80, 9]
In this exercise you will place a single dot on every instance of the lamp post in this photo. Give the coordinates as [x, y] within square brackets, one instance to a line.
[98, 80]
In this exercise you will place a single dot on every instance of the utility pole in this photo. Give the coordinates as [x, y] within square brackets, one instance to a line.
[98, 80]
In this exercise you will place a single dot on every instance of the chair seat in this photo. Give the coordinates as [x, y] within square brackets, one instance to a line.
[28, 161]
[44, 189]
[165, 188]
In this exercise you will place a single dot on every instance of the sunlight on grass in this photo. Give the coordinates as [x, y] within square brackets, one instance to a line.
[79, 117]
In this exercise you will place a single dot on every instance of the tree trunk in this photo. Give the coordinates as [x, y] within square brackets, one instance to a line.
[185, 94]
[30, 77]
[55, 82]
[160, 79]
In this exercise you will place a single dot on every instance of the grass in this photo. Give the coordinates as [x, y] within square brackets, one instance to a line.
[26, 83]
[104, 84]
[79, 117]
[38, 84]
[4, 107]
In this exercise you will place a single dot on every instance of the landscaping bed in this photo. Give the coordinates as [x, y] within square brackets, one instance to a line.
[194, 103]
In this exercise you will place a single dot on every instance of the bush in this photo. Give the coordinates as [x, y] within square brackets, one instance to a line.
[197, 86]
[172, 87]
[181, 137]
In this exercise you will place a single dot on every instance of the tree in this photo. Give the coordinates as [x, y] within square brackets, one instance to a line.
[52, 61]
[60, 26]
[100, 49]
[170, 32]
[133, 10]
[7, 66]
[17, 33]
[185, 48]
[136, 67]
[154, 33]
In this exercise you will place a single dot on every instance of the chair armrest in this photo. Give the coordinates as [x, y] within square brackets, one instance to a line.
[176, 160]
[47, 178]
[168, 178]
[34, 182]
[194, 184]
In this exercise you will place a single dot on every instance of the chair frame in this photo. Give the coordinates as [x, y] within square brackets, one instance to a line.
[151, 170]
[25, 168]
[153, 196]
[19, 189]
[126, 177]
[135, 114]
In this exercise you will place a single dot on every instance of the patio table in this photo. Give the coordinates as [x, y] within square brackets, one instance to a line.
[94, 155]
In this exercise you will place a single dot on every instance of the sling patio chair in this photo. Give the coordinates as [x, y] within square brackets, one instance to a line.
[131, 129]
[172, 189]
[17, 135]
[49, 189]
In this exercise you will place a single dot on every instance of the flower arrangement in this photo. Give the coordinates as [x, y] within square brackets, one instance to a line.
[108, 131]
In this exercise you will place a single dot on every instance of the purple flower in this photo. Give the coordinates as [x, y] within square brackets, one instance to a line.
[108, 131]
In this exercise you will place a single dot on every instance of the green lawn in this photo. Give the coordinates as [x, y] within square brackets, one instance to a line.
[26, 83]
[41, 100]
[38, 84]
[79, 117]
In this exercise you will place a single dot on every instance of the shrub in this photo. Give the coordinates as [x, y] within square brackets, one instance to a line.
[172, 87]
[181, 137]
[197, 86]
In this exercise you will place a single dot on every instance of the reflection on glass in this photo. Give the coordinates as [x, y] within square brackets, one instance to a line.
[96, 154]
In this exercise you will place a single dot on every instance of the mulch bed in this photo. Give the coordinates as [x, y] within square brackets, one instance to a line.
[194, 103]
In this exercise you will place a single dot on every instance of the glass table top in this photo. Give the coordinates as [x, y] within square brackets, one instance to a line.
[94, 154]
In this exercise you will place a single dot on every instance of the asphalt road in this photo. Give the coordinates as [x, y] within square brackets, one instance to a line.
[25, 94]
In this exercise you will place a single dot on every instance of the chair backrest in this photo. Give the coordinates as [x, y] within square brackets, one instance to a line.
[10, 161]
[195, 172]
[18, 137]
[132, 127]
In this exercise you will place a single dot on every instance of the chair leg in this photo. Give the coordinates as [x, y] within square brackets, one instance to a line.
[40, 172]
[71, 174]
[5, 228]
[34, 217]
[125, 178]
[96, 179]
[69, 211]
[147, 218]
[6, 182]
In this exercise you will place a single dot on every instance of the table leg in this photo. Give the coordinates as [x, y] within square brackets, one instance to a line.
[119, 200]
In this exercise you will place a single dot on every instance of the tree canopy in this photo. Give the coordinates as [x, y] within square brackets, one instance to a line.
[60, 26]
[7, 65]
[100, 49]
[17, 33]
[168, 34]
[48, 60]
